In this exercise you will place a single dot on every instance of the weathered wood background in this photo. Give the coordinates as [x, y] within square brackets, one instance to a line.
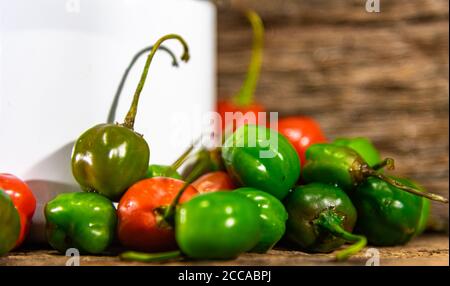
[381, 75]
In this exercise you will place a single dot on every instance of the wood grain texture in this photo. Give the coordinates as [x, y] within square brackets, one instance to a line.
[381, 75]
[425, 250]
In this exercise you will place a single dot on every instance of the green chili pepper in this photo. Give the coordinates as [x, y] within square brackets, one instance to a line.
[261, 158]
[388, 216]
[363, 146]
[343, 167]
[218, 225]
[321, 219]
[109, 158]
[9, 224]
[273, 216]
[86, 221]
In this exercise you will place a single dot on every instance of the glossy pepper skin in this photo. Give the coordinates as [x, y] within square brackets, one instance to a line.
[23, 199]
[218, 225]
[273, 218]
[302, 132]
[363, 146]
[213, 182]
[388, 216]
[253, 160]
[109, 158]
[9, 224]
[86, 221]
[141, 225]
[344, 167]
[335, 165]
[321, 219]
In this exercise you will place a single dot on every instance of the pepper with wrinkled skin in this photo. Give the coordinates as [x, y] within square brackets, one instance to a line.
[23, 199]
[363, 146]
[343, 167]
[109, 158]
[86, 221]
[388, 216]
[9, 224]
[321, 219]
[273, 218]
[219, 225]
[253, 159]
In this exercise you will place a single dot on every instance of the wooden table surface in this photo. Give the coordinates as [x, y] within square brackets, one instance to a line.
[424, 250]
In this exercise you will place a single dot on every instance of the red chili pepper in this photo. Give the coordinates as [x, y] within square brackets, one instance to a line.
[23, 199]
[243, 101]
[213, 182]
[302, 132]
[141, 214]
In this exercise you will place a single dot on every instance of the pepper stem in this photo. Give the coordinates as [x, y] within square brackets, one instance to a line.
[113, 109]
[245, 95]
[388, 163]
[410, 190]
[150, 257]
[130, 118]
[332, 223]
[169, 212]
[177, 164]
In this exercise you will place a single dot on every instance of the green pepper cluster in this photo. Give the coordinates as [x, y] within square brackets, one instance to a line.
[339, 194]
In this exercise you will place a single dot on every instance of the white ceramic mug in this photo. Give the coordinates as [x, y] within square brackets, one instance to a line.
[60, 65]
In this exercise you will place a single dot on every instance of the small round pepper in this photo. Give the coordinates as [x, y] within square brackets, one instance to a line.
[86, 221]
[363, 146]
[273, 218]
[141, 214]
[218, 225]
[23, 199]
[321, 219]
[9, 224]
[388, 216]
[345, 168]
[302, 132]
[261, 158]
[109, 158]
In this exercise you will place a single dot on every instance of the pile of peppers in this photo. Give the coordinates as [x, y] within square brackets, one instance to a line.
[262, 187]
